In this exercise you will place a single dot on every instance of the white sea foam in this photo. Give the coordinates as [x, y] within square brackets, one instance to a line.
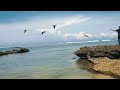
[77, 42]
[93, 41]
[105, 40]
[72, 42]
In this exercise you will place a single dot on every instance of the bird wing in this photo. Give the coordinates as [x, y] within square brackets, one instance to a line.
[25, 31]
[43, 32]
[85, 35]
[54, 26]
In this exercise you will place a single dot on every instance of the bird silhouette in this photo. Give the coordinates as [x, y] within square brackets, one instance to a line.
[43, 32]
[86, 35]
[54, 26]
[25, 31]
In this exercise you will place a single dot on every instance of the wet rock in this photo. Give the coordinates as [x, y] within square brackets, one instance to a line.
[73, 58]
[1, 53]
[20, 50]
[110, 51]
[105, 59]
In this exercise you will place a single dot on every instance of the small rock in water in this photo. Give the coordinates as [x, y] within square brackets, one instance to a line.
[20, 50]
[73, 58]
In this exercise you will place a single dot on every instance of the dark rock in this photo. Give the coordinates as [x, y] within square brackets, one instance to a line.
[1, 53]
[114, 54]
[110, 51]
[81, 55]
[73, 58]
[20, 50]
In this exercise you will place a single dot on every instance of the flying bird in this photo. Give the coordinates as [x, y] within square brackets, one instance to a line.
[86, 35]
[54, 26]
[25, 31]
[43, 32]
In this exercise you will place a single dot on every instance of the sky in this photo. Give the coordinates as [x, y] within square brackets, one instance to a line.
[70, 25]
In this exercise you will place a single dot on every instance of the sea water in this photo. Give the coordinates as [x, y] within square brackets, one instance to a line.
[47, 61]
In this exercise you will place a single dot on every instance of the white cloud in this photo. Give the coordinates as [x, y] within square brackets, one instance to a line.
[65, 22]
[38, 24]
[80, 36]
[106, 35]
[73, 20]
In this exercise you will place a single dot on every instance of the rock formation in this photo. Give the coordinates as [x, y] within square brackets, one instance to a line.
[20, 50]
[105, 59]
[110, 51]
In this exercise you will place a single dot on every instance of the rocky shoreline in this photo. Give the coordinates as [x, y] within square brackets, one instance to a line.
[105, 59]
[18, 50]
[107, 66]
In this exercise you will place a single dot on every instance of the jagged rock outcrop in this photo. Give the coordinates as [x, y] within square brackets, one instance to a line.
[110, 51]
[19, 50]
[105, 59]
[107, 66]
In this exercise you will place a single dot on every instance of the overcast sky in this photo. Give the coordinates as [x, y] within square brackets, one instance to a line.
[70, 25]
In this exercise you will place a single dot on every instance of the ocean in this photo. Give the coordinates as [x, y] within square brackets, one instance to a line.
[47, 61]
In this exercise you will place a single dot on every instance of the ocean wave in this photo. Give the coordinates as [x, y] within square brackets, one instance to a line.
[59, 43]
[62, 43]
[93, 41]
[105, 40]
[82, 42]
[73, 42]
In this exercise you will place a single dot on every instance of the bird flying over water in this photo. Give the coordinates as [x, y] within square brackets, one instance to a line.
[25, 31]
[54, 26]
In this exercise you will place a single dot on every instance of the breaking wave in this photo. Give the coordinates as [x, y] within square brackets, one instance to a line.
[92, 41]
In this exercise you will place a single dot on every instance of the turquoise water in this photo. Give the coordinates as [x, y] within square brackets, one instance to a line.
[50, 61]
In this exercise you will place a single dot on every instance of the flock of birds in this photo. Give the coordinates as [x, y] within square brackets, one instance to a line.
[54, 26]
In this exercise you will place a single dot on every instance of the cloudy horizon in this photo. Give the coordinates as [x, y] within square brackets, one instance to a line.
[70, 26]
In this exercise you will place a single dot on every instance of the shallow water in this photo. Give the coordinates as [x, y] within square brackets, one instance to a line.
[54, 61]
